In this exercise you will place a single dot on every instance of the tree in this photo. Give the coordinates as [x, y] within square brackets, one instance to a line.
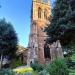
[72, 17]
[8, 40]
[62, 25]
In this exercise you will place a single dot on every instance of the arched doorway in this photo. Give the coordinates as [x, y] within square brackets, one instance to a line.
[47, 52]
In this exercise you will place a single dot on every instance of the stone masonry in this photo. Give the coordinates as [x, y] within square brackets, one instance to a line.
[40, 12]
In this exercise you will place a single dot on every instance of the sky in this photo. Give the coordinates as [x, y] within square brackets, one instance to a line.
[18, 12]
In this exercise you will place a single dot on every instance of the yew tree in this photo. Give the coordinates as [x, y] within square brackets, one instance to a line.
[8, 39]
[62, 24]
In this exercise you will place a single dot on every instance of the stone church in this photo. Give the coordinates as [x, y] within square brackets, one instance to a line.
[38, 50]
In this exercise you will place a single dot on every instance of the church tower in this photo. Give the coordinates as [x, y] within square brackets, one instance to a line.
[40, 12]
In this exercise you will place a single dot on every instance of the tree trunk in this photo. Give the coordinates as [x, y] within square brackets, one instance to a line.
[1, 62]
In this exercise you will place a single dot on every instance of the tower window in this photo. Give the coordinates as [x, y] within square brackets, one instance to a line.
[39, 12]
[45, 14]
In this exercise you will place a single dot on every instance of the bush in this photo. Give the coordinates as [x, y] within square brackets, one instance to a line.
[37, 67]
[44, 72]
[23, 70]
[6, 72]
[58, 67]
[15, 63]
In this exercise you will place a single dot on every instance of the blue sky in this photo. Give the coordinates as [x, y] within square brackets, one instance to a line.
[18, 13]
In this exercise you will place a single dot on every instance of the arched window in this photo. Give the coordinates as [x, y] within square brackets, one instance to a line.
[39, 12]
[47, 51]
[45, 14]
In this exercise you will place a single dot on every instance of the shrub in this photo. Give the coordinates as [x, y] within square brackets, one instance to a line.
[23, 69]
[28, 74]
[6, 72]
[37, 67]
[44, 72]
[15, 63]
[58, 67]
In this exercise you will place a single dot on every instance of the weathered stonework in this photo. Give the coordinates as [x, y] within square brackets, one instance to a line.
[37, 35]
[22, 53]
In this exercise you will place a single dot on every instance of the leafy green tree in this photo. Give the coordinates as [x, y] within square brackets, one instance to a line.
[8, 40]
